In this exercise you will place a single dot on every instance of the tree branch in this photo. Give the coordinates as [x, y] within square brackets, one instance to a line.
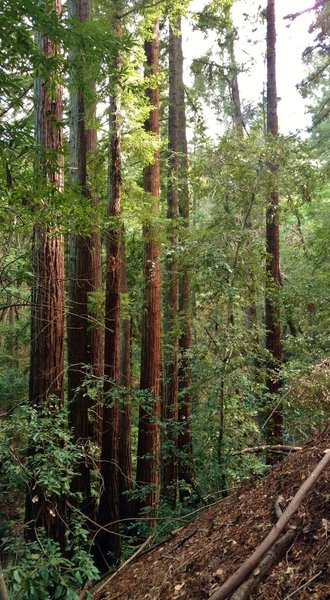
[6, 110]
[256, 449]
[293, 16]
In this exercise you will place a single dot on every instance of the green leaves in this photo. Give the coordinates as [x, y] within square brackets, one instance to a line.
[43, 572]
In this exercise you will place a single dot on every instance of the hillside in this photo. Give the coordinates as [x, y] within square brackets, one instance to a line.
[202, 555]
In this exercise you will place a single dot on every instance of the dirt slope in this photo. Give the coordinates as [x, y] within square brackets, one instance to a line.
[205, 553]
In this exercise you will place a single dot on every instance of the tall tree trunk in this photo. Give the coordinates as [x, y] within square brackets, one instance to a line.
[238, 122]
[125, 449]
[170, 458]
[109, 501]
[149, 414]
[234, 87]
[85, 357]
[186, 471]
[47, 318]
[272, 303]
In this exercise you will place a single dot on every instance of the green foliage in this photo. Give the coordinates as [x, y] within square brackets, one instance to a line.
[315, 87]
[227, 257]
[41, 570]
[52, 463]
[224, 250]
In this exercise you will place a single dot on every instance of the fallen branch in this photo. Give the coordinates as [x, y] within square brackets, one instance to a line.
[272, 558]
[183, 540]
[231, 585]
[127, 562]
[256, 449]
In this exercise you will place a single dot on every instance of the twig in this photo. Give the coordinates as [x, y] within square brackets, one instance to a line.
[127, 562]
[6, 110]
[274, 409]
[293, 16]
[184, 540]
[84, 590]
[303, 586]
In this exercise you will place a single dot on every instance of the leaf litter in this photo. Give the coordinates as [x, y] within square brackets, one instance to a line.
[201, 556]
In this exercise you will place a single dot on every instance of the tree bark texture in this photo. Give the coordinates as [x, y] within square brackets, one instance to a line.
[185, 467]
[234, 87]
[85, 275]
[150, 381]
[272, 303]
[170, 458]
[125, 448]
[47, 318]
[110, 498]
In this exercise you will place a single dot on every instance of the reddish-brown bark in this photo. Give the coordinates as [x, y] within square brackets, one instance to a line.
[85, 356]
[110, 494]
[125, 446]
[184, 372]
[272, 303]
[170, 458]
[47, 318]
[149, 414]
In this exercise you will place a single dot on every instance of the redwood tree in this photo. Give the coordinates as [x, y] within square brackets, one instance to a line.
[125, 447]
[109, 541]
[148, 454]
[186, 471]
[47, 318]
[170, 462]
[273, 324]
[85, 348]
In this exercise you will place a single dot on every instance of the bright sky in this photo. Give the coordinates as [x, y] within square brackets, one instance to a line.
[292, 39]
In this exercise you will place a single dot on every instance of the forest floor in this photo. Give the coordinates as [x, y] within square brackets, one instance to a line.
[201, 556]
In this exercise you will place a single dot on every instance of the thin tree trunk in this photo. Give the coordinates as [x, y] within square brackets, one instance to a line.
[110, 499]
[47, 318]
[148, 455]
[170, 459]
[272, 303]
[234, 88]
[185, 467]
[238, 121]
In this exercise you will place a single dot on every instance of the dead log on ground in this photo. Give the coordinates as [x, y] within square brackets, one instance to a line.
[272, 558]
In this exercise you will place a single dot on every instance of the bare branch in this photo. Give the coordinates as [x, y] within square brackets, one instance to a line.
[277, 447]
[293, 16]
